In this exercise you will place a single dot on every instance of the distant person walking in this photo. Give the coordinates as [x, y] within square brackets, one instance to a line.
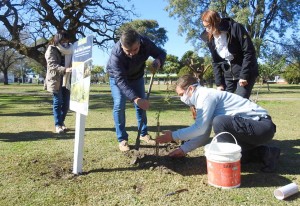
[233, 54]
[59, 59]
[126, 67]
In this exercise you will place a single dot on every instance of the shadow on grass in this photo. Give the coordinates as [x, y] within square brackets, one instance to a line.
[25, 114]
[34, 136]
[282, 87]
[186, 166]
[260, 179]
[133, 128]
[277, 92]
[40, 135]
[106, 102]
[25, 99]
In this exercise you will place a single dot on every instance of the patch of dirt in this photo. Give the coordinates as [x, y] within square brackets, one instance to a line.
[146, 158]
[60, 169]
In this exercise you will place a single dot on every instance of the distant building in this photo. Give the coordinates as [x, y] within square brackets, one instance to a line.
[34, 78]
[161, 78]
[277, 80]
[10, 76]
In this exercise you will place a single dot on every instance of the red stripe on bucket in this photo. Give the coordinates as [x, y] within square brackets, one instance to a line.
[224, 174]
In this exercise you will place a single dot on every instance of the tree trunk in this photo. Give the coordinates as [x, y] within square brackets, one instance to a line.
[268, 87]
[5, 77]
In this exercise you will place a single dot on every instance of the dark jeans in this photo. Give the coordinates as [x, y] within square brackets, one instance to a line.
[249, 133]
[233, 86]
[61, 103]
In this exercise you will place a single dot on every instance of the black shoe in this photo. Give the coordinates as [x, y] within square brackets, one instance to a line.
[252, 155]
[270, 159]
[246, 157]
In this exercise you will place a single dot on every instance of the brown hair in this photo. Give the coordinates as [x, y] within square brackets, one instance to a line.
[214, 19]
[57, 38]
[185, 81]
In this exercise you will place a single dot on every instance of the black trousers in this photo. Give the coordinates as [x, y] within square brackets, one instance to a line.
[233, 86]
[249, 133]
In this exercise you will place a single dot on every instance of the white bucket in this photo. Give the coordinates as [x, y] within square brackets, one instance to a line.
[223, 163]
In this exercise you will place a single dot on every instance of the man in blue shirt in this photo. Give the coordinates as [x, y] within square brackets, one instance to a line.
[126, 67]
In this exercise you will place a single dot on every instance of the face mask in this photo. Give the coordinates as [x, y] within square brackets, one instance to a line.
[186, 99]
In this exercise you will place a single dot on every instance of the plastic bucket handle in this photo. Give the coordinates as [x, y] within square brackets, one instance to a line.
[215, 139]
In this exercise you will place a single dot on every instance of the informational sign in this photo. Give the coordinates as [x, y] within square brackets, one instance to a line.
[80, 90]
[81, 75]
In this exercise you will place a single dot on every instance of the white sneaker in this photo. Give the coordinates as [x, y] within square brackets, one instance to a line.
[147, 138]
[123, 146]
[59, 130]
[64, 128]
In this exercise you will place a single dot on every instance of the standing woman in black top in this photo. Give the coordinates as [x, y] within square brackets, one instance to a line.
[233, 54]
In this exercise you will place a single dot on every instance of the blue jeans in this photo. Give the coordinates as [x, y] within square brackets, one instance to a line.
[61, 103]
[119, 107]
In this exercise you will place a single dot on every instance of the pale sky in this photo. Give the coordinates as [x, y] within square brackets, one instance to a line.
[153, 10]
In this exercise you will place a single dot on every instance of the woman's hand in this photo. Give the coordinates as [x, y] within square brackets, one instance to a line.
[177, 153]
[243, 82]
[165, 137]
[69, 69]
[220, 88]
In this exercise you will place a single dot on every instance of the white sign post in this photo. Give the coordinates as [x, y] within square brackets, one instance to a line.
[79, 142]
[80, 88]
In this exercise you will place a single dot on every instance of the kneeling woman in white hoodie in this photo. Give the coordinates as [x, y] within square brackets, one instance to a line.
[249, 123]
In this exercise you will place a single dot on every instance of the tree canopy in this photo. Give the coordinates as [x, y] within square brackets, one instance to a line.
[31, 23]
[172, 64]
[267, 19]
[149, 28]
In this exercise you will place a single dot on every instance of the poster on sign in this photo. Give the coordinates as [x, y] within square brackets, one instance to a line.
[81, 75]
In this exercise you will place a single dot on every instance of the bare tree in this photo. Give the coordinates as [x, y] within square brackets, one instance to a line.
[8, 59]
[31, 23]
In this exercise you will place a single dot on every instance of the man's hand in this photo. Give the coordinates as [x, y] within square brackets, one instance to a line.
[156, 63]
[165, 137]
[142, 103]
[243, 82]
[155, 66]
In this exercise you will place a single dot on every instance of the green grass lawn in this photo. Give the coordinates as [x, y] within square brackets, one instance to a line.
[36, 164]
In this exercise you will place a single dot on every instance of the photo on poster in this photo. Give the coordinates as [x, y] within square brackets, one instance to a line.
[77, 73]
[80, 87]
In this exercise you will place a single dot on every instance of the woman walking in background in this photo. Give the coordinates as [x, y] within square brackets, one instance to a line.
[59, 59]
